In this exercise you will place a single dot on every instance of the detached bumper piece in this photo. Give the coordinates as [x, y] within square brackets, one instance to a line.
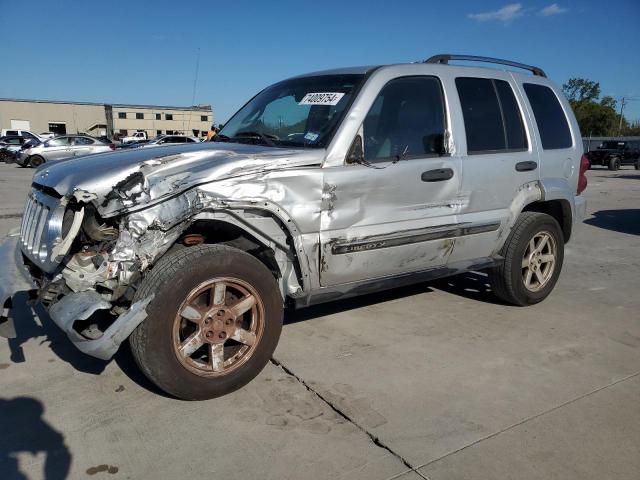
[14, 278]
[80, 306]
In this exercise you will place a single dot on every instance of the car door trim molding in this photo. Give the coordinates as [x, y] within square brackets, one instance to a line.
[412, 236]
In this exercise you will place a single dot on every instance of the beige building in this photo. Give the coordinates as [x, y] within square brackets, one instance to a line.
[159, 120]
[98, 119]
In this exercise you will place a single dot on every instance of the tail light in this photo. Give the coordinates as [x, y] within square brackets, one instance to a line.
[112, 146]
[582, 177]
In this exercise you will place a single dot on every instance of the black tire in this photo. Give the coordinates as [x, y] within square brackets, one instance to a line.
[171, 280]
[637, 165]
[35, 161]
[614, 164]
[506, 279]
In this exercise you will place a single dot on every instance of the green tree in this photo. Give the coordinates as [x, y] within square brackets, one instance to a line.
[596, 116]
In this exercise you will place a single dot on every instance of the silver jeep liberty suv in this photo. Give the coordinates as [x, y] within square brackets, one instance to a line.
[323, 186]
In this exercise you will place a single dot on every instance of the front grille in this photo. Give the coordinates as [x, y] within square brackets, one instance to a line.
[36, 232]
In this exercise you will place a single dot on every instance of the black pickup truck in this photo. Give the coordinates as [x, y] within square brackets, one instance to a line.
[615, 153]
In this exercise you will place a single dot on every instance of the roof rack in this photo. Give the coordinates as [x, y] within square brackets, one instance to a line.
[445, 58]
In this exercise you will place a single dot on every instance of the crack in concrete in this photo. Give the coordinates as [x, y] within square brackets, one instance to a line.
[4, 216]
[374, 439]
[528, 419]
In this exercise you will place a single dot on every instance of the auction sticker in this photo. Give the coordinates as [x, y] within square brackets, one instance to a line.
[321, 98]
[312, 137]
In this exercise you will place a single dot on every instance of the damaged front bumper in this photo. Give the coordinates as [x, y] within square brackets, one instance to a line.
[77, 306]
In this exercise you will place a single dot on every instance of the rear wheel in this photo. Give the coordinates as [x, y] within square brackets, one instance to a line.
[35, 161]
[533, 256]
[213, 324]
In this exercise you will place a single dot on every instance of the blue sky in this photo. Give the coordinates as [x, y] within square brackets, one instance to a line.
[145, 52]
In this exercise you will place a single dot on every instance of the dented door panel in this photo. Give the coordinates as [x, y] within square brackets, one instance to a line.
[380, 222]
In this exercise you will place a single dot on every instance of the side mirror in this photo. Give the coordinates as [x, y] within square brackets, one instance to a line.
[356, 152]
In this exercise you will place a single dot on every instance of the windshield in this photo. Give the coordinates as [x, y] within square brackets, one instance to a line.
[301, 112]
[612, 145]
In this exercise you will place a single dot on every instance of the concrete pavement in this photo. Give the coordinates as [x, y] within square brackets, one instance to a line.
[434, 381]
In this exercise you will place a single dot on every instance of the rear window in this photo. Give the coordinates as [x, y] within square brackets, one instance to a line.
[552, 122]
[492, 118]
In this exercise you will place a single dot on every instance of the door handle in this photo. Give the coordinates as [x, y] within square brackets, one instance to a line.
[437, 175]
[526, 166]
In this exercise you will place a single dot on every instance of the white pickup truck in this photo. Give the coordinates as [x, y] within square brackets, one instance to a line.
[136, 137]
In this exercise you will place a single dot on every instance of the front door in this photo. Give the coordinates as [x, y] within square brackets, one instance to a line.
[393, 212]
[58, 148]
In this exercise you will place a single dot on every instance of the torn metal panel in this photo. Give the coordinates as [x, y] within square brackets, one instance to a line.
[135, 179]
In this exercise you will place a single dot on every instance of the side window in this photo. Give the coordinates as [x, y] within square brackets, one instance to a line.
[59, 142]
[492, 118]
[82, 141]
[406, 120]
[551, 120]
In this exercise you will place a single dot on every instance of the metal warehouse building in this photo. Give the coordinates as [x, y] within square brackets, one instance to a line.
[98, 119]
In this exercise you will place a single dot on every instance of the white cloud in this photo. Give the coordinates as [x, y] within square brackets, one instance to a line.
[553, 9]
[504, 14]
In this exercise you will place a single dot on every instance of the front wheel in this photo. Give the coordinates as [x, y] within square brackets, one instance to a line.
[35, 161]
[213, 323]
[533, 255]
[614, 164]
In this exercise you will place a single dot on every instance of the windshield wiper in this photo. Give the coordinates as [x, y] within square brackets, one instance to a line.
[261, 136]
[221, 137]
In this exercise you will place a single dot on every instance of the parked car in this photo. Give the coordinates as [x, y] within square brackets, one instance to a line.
[132, 144]
[10, 146]
[404, 173]
[59, 148]
[21, 133]
[136, 137]
[167, 139]
[615, 153]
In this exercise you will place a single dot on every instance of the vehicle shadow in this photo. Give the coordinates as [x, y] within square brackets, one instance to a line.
[626, 220]
[24, 430]
[336, 306]
[472, 285]
[629, 177]
[29, 327]
[126, 363]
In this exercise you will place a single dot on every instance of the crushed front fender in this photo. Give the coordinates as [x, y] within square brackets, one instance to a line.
[14, 278]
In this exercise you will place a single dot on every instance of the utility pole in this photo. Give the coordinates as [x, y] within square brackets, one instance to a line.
[622, 104]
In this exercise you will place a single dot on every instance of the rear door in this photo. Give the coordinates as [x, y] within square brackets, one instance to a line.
[82, 146]
[500, 162]
[560, 145]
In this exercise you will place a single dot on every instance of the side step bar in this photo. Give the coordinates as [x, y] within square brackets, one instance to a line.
[444, 59]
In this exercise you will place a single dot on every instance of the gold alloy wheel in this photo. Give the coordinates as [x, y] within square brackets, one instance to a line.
[218, 327]
[539, 261]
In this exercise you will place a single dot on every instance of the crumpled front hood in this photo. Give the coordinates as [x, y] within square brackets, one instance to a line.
[133, 179]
